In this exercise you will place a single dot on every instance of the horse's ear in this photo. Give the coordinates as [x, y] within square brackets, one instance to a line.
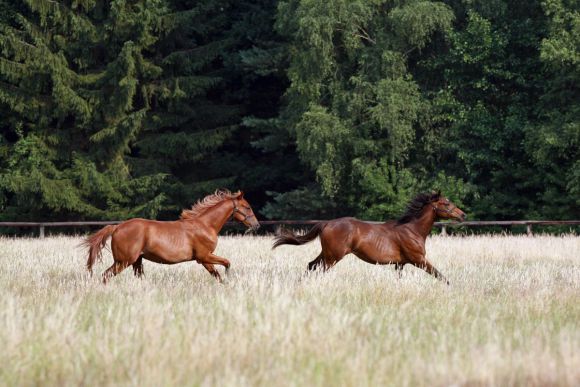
[435, 195]
[240, 194]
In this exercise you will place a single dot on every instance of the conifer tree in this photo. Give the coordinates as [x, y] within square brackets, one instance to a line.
[218, 93]
[76, 81]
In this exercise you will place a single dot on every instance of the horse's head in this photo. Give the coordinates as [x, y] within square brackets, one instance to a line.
[243, 212]
[445, 209]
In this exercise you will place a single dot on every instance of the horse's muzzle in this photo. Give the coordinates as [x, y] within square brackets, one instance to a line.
[253, 227]
[458, 215]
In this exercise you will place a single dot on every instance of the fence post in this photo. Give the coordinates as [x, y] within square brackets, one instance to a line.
[529, 229]
[444, 230]
[41, 233]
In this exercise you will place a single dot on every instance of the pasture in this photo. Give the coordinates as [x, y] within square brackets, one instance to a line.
[510, 317]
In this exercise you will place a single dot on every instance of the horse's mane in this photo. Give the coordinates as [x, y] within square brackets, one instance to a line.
[416, 205]
[209, 201]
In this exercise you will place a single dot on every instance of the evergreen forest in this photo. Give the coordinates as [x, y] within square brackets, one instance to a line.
[314, 108]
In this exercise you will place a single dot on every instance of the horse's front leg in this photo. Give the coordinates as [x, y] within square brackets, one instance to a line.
[213, 271]
[220, 261]
[212, 259]
[424, 264]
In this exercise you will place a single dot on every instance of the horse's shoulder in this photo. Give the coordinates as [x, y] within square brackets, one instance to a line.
[410, 241]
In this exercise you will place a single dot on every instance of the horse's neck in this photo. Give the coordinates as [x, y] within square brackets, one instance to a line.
[424, 223]
[217, 216]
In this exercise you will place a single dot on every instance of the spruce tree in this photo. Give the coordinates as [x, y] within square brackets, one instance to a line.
[76, 82]
[218, 94]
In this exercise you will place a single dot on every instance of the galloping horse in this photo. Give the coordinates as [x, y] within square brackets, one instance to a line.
[395, 242]
[191, 238]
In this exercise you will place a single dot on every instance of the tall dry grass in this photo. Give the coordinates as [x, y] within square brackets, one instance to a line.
[510, 317]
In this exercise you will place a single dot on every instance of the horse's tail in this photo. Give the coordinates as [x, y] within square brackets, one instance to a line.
[95, 244]
[287, 237]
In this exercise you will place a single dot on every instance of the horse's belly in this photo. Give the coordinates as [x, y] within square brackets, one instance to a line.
[167, 260]
[167, 253]
[380, 251]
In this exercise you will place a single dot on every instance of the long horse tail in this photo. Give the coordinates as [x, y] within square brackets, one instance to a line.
[95, 244]
[287, 237]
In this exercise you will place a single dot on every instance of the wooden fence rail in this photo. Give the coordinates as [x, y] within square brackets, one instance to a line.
[443, 225]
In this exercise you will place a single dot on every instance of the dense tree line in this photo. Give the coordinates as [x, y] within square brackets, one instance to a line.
[116, 109]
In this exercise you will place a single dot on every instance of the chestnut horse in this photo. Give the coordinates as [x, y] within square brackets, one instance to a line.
[398, 242]
[191, 238]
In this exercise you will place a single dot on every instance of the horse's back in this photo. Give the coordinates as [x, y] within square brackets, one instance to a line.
[135, 228]
[350, 224]
[140, 224]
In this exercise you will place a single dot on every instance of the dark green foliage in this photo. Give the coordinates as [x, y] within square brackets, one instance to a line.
[316, 109]
[76, 97]
[495, 99]
[354, 107]
[553, 138]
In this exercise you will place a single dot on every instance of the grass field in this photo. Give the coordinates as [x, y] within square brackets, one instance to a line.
[510, 317]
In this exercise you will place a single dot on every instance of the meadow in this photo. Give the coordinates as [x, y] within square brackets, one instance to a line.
[510, 317]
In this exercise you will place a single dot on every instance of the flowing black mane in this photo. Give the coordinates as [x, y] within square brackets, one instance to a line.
[416, 205]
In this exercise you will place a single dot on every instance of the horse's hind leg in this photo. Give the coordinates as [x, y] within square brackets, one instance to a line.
[399, 269]
[332, 252]
[126, 254]
[326, 263]
[138, 267]
[115, 269]
[332, 256]
[313, 265]
[329, 262]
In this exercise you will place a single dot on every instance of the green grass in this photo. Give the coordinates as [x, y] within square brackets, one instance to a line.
[510, 317]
